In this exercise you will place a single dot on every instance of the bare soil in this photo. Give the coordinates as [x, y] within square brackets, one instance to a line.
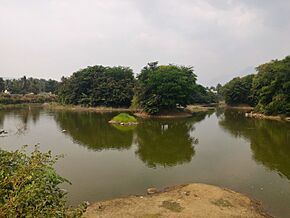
[193, 200]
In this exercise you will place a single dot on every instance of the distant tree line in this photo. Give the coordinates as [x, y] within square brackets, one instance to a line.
[28, 85]
[155, 89]
[268, 90]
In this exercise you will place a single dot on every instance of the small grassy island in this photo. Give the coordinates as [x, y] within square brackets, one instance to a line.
[124, 119]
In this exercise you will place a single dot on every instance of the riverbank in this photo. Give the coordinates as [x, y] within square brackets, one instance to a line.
[267, 117]
[193, 200]
[243, 107]
[78, 108]
[166, 115]
[249, 112]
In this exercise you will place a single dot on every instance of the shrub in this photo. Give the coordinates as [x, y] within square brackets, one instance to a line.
[29, 186]
[124, 118]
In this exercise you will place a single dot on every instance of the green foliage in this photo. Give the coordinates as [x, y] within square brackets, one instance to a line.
[98, 86]
[29, 186]
[2, 85]
[124, 118]
[239, 91]
[272, 87]
[268, 90]
[204, 95]
[30, 85]
[165, 87]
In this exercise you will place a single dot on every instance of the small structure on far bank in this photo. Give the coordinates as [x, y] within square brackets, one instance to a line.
[124, 119]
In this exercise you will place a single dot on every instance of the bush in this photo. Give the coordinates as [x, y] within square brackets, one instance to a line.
[124, 118]
[29, 186]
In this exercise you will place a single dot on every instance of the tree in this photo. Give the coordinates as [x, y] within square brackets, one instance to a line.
[2, 85]
[272, 87]
[239, 91]
[165, 87]
[98, 86]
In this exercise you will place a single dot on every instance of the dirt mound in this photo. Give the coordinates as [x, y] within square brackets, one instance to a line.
[193, 200]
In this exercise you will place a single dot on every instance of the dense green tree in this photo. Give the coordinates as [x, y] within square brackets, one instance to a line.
[239, 91]
[272, 87]
[203, 95]
[165, 87]
[2, 85]
[99, 86]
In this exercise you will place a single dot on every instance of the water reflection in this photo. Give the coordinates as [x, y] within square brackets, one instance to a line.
[167, 142]
[159, 142]
[270, 140]
[23, 115]
[93, 131]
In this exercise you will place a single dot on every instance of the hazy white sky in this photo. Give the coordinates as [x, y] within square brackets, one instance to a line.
[220, 38]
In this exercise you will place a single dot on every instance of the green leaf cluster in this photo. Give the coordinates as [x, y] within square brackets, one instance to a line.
[29, 186]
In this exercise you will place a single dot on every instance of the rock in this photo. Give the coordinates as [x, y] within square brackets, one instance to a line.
[2, 131]
[151, 191]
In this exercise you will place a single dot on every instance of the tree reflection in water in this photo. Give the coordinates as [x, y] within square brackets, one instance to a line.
[23, 115]
[159, 142]
[270, 140]
[167, 142]
[93, 130]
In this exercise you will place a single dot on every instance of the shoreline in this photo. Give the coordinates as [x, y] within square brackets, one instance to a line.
[191, 200]
[266, 117]
[78, 108]
[174, 115]
[249, 112]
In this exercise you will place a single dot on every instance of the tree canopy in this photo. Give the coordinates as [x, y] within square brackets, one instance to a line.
[98, 86]
[239, 91]
[166, 87]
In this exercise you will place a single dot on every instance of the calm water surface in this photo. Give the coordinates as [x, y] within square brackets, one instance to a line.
[103, 161]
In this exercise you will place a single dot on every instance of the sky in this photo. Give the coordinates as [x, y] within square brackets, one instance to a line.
[221, 39]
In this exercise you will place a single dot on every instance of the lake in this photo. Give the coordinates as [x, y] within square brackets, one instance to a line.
[103, 161]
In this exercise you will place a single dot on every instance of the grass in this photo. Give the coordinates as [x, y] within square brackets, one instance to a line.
[172, 205]
[124, 118]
